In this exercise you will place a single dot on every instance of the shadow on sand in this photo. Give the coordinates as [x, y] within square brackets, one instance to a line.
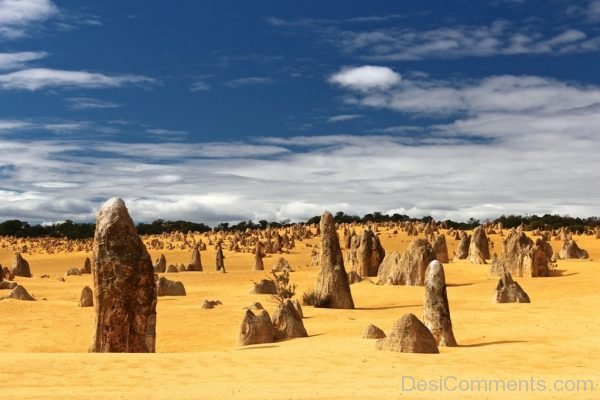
[561, 272]
[458, 284]
[256, 347]
[387, 307]
[492, 343]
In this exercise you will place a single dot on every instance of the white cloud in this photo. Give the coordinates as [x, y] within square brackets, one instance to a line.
[18, 16]
[199, 87]
[43, 78]
[594, 9]
[10, 61]
[343, 117]
[87, 103]
[366, 77]
[248, 81]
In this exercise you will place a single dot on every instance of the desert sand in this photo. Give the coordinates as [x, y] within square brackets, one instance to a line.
[44, 344]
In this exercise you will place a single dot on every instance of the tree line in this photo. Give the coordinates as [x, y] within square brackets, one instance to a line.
[73, 230]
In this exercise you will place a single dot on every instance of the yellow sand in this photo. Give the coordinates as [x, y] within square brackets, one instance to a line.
[43, 344]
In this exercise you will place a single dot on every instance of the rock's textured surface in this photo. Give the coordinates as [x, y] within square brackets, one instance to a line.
[373, 332]
[20, 267]
[436, 312]
[509, 291]
[287, 322]
[125, 292]
[87, 297]
[165, 287]
[408, 335]
[408, 269]
[256, 328]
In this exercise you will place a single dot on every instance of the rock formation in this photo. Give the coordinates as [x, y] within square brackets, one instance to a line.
[365, 256]
[20, 293]
[570, 250]
[87, 266]
[161, 264]
[479, 249]
[196, 261]
[509, 291]
[165, 287]
[220, 259]
[462, 251]
[440, 248]
[87, 297]
[332, 288]
[373, 332]
[258, 258]
[436, 312]
[409, 335]
[281, 265]
[408, 269]
[287, 322]
[125, 292]
[264, 286]
[256, 328]
[20, 267]
[521, 257]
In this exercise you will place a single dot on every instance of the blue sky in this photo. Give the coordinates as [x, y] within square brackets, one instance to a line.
[228, 110]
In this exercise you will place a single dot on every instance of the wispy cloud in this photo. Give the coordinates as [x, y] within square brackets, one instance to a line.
[248, 81]
[500, 38]
[43, 78]
[87, 103]
[11, 61]
[366, 77]
[166, 133]
[343, 118]
[17, 17]
[199, 86]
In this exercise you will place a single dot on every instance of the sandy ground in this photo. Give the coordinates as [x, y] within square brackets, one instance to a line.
[554, 340]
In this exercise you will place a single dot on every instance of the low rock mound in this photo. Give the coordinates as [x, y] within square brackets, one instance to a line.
[73, 271]
[373, 332]
[210, 304]
[7, 285]
[409, 335]
[166, 287]
[20, 267]
[172, 269]
[264, 286]
[281, 265]
[509, 291]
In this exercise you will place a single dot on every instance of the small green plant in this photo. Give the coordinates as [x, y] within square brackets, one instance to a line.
[285, 289]
[312, 298]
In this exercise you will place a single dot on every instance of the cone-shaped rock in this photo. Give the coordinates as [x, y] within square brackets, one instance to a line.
[87, 266]
[521, 257]
[332, 288]
[161, 264]
[220, 259]
[256, 328]
[509, 291]
[20, 293]
[125, 292]
[7, 285]
[87, 297]
[258, 258]
[409, 335]
[462, 251]
[373, 332]
[20, 267]
[196, 261]
[479, 249]
[369, 254]
[287, 322]
[440, 248]
[436, 312]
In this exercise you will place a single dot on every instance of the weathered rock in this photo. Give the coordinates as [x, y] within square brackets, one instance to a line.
[409, 335]
[165, 287]
[509, 291]
[462, 251]
[125, 292]
[256, 328]
[196, 261]
[264, 286]
[210, 304]
[408, 269]
[73, 271]
[440, 248]
[87, 297]
[7, 285]
[20, 267]
[298, 307]
[87, 266]
[220, 259]
[367, 255]
[160, 266]
[20, 293]
[479, 249]
[354, 277]
[172, 269]
[258, 258]
[373, 332]
[281, 265]
[571, 250]
[436, 312]
[521, 257]
[332, 288]
[287, 322]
